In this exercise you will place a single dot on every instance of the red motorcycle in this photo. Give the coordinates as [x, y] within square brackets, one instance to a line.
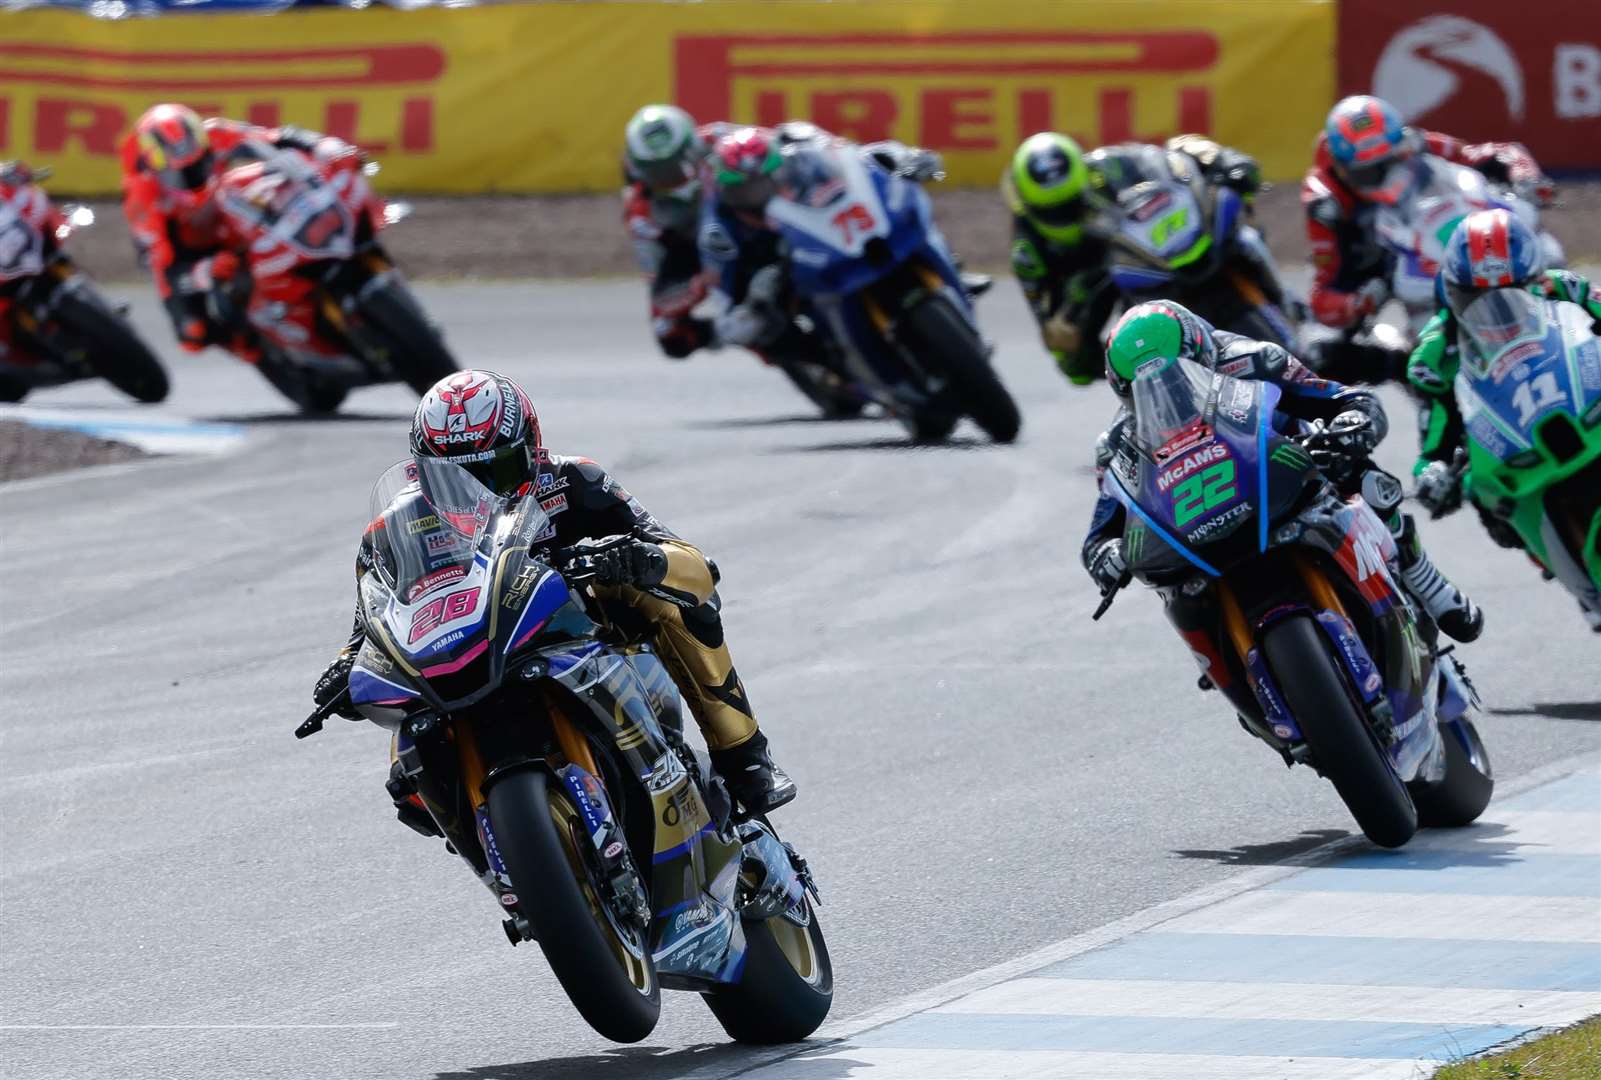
[328, 309]
[55, 325]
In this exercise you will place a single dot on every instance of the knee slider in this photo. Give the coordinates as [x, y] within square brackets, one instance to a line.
[705, 624]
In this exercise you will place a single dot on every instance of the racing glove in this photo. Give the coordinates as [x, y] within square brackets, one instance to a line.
[1439, 489]
[335, 680]
[1107, 567]
[638, 562]
[1352, 433]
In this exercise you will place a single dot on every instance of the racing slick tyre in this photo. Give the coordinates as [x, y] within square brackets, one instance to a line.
[1462, 795]
[315, 395]
[787, 984]
[108, 345]
[607, 972]
[947, 343]
[1343, 747]
[414, 348]
[823, 388]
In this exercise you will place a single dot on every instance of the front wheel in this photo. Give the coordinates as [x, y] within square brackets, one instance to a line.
[606, 971]
[947, 344]
[108, 345]
[411, 346]
[1343, 747]
[786, 986]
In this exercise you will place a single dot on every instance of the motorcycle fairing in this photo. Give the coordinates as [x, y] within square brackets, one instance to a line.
[1416, 231]
[22, 238]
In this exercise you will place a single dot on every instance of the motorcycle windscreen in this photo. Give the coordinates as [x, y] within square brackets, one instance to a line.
[431, 520]
[1197, 433]
[1497, 318]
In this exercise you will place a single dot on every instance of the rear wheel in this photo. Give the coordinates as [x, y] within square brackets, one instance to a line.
[1462, 795]
[823, 388]
[946, 343]
[411, 346]
[315, 394]
[108, 345]
[606, 971]
[786, 986]
[1343, 747]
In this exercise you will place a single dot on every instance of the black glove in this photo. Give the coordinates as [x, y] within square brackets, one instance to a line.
[638, 562]
[1107, 567]
[335, 681]
[1439, 489]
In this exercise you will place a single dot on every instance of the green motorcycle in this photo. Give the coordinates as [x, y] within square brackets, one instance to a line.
[1529, 388]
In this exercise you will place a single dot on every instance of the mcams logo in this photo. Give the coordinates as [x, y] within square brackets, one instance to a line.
[1448, 60]
[958, 90]
[67, 99]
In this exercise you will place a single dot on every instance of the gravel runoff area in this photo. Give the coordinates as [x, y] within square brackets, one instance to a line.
[577, 236]
[27, 451]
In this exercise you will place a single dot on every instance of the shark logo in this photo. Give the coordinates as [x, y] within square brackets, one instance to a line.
[1423, 65]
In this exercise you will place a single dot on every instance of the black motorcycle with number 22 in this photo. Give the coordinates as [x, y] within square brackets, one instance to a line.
[550, 752]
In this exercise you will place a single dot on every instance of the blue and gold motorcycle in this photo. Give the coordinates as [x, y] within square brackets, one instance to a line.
[549, 751]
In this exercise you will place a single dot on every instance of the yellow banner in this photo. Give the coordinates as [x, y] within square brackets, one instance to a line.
[533, 97]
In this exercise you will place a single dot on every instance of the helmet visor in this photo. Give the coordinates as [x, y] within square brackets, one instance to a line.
[1385, 181]
[190, 177]
[504, 470]
[1060, 215]
[749, 194]
[668, 174]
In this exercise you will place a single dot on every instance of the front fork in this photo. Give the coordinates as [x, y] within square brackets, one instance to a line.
[1335, 623]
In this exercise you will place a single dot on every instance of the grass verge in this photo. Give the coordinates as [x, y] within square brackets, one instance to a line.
[1570, 1054]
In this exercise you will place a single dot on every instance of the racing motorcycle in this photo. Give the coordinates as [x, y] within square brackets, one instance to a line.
[1285, 593]
[55, 325]
[1529, 388]
[1171, 235]
[1414, 232]
[550, 753]
[329, 308]
[871, 270]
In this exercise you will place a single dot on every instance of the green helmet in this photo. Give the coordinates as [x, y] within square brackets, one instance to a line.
[1047, 184]
[1159, 330]
[662, 147]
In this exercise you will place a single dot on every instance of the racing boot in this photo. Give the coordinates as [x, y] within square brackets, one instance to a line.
[751, 776]
[1447, 605]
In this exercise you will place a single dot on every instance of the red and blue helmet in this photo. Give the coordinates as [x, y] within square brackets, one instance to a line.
[1490, 249]
[744, 162]
[1371, 148]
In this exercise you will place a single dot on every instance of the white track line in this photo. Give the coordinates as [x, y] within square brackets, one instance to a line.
[832, 1034]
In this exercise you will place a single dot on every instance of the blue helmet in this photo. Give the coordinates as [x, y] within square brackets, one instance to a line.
[1490, 249]
[1371, 147]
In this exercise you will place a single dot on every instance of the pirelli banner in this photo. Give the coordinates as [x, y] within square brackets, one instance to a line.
[532, 97]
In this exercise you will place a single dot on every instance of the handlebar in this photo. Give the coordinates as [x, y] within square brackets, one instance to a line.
[313, 723]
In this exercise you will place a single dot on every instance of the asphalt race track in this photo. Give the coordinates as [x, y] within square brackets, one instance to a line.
[186, 891]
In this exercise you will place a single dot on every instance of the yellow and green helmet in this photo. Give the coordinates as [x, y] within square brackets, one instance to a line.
[1159, 330]
[1047, 183]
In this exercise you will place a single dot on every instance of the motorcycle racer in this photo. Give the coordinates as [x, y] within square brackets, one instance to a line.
[1054, 189]
[1491, 249]
[663, 160]
[1366, 157]
[657, 586]
[171, 162]
[1355, 421]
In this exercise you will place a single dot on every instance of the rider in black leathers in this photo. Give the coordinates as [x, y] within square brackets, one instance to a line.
[657, 588]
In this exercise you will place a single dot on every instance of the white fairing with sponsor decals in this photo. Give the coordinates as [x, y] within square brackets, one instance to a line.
[1417, 230]
[843, 214]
